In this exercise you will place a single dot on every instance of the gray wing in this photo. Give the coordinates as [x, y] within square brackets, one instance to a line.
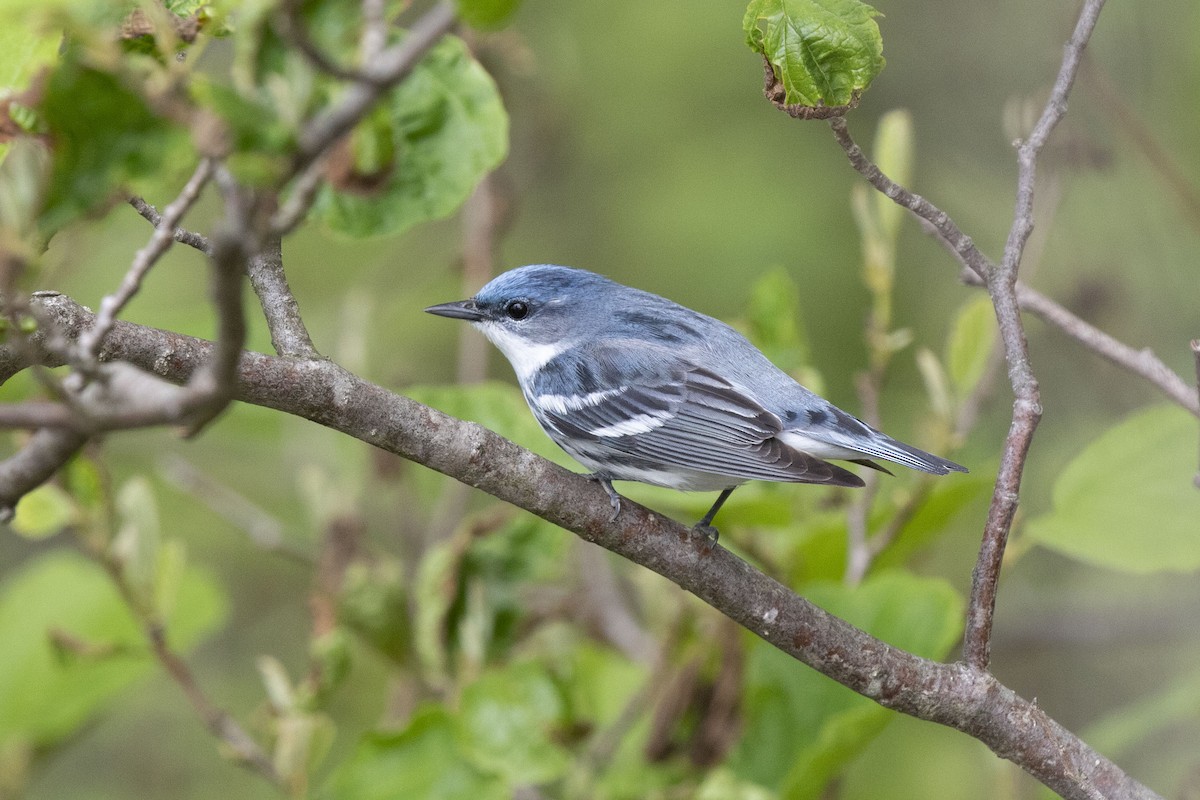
[684, 415]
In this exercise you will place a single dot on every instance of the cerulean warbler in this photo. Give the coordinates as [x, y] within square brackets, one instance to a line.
[639, 388]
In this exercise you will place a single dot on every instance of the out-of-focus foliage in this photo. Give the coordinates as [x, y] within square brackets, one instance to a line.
[469, 650]
[1127, 501]
[441, 130]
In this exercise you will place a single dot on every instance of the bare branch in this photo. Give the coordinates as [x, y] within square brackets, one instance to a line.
[1001, 282]
[945, 227]
[192, 239]
[296, 207]
[375, 29]
[289, 336]
[43, 455]
[144, 260]
[246, 751]
[1027, 408]
[1143, 363]
[958, 695]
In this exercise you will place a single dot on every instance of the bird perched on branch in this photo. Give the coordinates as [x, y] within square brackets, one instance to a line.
[639, 388]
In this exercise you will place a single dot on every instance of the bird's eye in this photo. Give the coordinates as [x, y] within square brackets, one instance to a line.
[516, 309]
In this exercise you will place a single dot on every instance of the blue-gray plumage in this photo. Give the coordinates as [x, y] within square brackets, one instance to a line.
[640, 388]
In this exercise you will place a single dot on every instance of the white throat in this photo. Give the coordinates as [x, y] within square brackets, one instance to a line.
[526, 357]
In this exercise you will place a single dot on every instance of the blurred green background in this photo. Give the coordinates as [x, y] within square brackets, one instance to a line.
[642, 148]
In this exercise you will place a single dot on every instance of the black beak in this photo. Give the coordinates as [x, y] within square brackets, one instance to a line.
[462, 309]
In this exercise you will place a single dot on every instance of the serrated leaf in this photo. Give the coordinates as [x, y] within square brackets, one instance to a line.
[449, 129]
[801, 728]
[42, 697]
[824, 52]
[43, 512]
[508, 722]
[972, 338]
[425, 760]
[1127, 501]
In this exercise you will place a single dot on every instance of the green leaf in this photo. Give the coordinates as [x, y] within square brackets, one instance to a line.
[802, 728]
[1127, 502]
[508, 723]
[449, 129]
[103, 137]
[43, 512]
[824, 52]
[44, 698]
[425, 761]
[971, 340]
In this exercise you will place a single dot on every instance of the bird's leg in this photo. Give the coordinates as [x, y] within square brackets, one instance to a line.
[704, 526]
[615, 499]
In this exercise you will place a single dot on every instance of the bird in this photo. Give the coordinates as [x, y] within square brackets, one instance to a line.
[639, 388]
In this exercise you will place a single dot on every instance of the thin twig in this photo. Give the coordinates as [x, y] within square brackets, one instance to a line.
[182, 235]
[292, 29]
[300, 200]
[219, 722]
[1143, 363]
[246, 751]
[144, 260]
[289, 335]
[43, 455]
[1027, 408]
[942, 223]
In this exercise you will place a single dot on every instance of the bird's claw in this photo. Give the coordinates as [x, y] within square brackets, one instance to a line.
[708, 533]
[614, 499]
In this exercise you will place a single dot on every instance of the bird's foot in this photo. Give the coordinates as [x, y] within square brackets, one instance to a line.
[613, 498]
[708, 533]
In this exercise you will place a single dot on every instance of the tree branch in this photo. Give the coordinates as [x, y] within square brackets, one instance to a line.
[182, 235]
[1027, 407]
[289, 336]
[1001, 284]
[958, 695]
[1143, 363]
[146, 258]
[43, 455]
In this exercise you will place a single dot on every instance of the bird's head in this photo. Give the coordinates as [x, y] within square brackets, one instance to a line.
[534, 313]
